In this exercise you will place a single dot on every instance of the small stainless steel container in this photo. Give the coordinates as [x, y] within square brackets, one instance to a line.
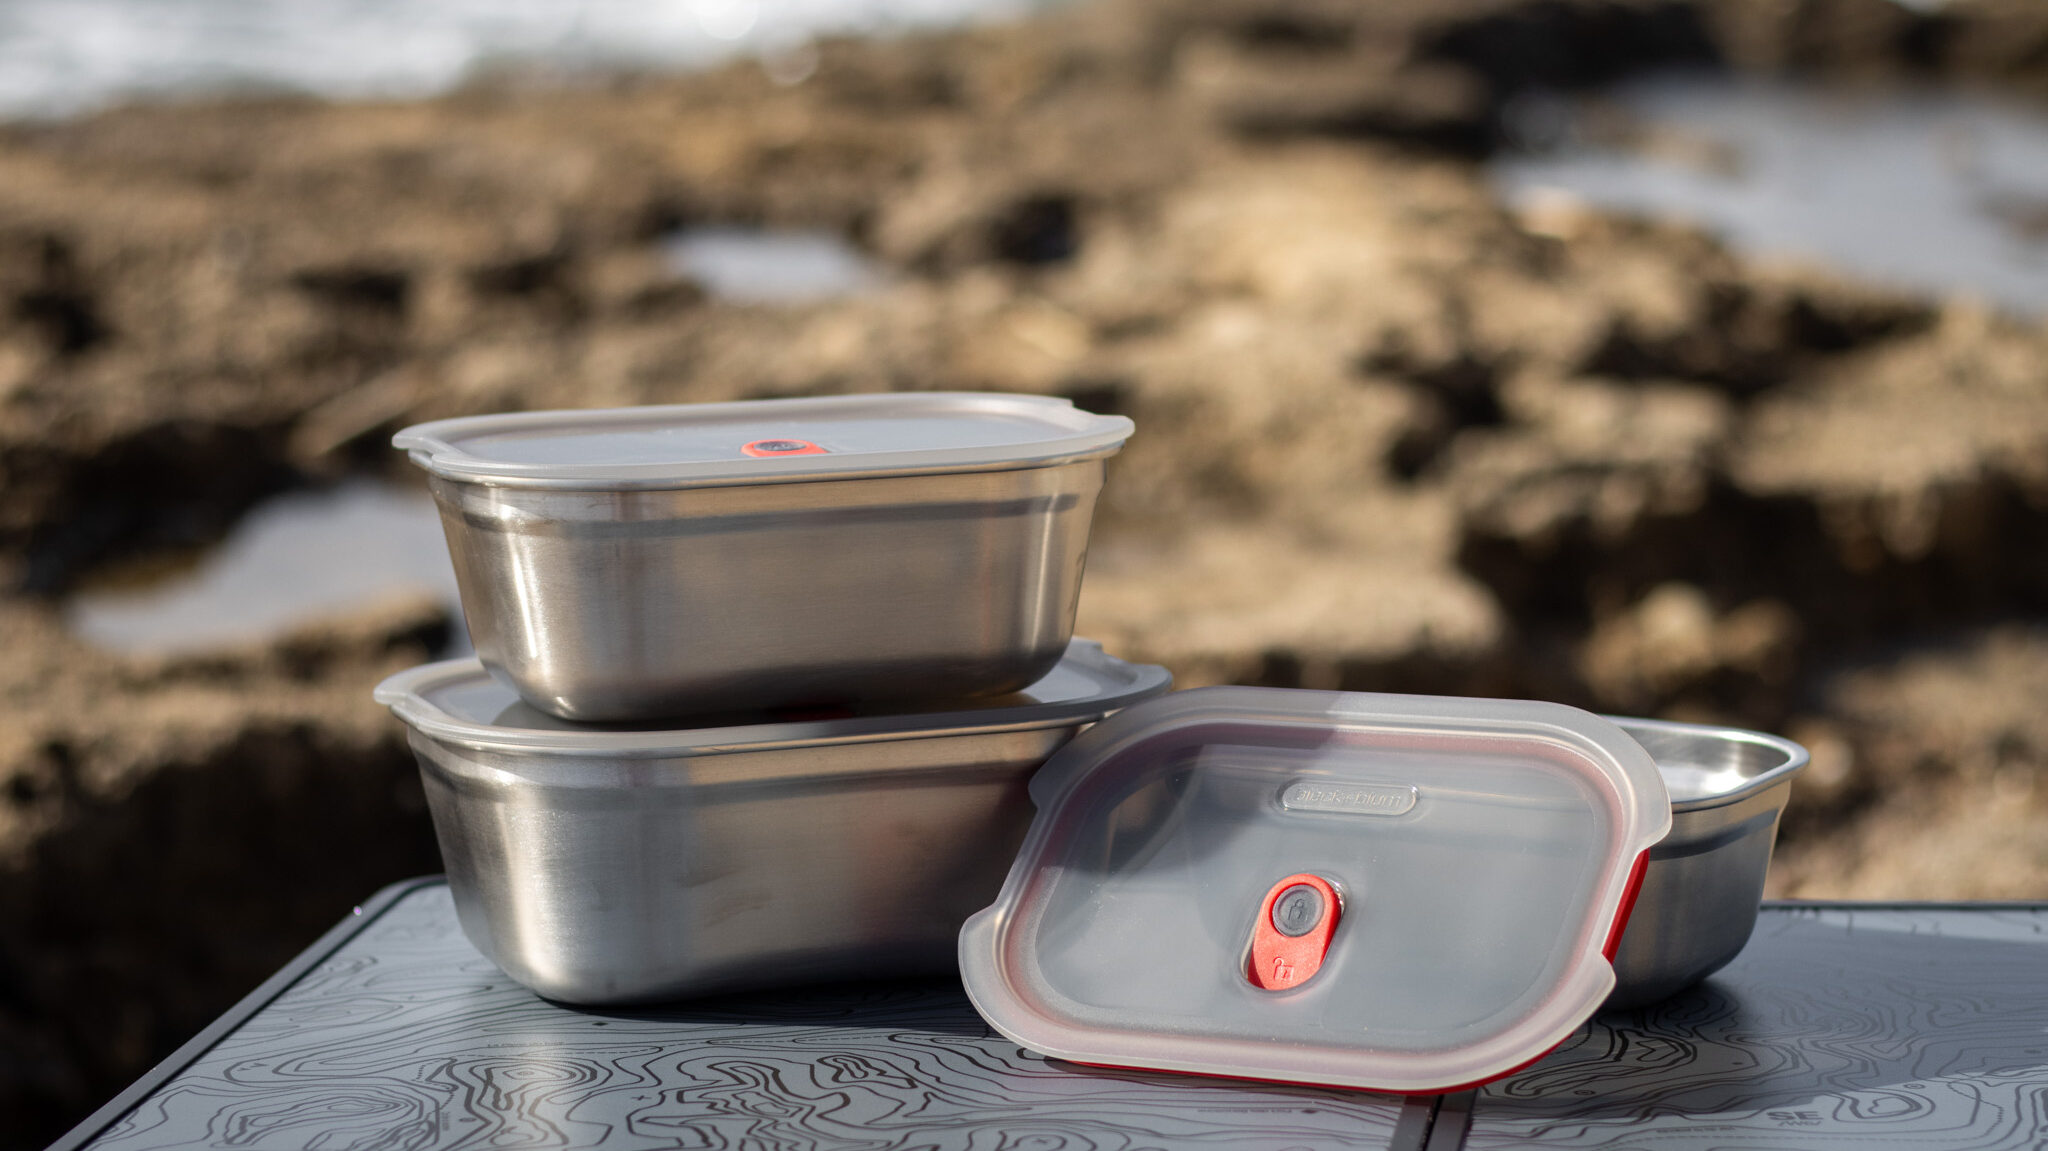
[1705, 879]
[637, 563]
[627, 864]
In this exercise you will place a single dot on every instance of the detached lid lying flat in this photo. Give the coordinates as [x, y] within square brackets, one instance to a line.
[757, 441]
[1403, 893]
[458, 702]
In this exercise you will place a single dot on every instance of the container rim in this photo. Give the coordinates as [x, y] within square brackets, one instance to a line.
[1796, 757]
[1120, 684]
[1072, 435]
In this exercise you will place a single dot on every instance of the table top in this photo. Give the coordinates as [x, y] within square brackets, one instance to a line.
[1841, 1025]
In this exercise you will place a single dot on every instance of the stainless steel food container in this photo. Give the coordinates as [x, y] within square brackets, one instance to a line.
[629, 864]
[1705, 879]
[637, 563]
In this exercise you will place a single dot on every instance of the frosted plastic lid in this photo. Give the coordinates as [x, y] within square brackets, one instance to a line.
[457, 701]
[1403, 893]
[757, 441]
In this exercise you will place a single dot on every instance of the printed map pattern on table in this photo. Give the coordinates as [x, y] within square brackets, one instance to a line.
[1836, 1028]
[1920, 1028]
[406, 1039]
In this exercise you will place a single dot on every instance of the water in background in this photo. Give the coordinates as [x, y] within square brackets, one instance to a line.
[303, 555]
[1945, 191]
[747, 266]
[1938, 191]
[64, 56]
[292, 559]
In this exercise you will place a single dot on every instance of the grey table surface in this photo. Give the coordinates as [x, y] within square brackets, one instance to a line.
[1921, 1026]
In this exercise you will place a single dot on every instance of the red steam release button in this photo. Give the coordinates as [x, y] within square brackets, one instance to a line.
[762, 448]
[1296, 920]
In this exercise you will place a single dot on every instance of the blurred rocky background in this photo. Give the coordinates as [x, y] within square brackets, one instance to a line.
[1407, 420]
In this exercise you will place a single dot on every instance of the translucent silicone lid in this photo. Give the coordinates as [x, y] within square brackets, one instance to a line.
[1404, 893]
[459, 702]
[756, 441]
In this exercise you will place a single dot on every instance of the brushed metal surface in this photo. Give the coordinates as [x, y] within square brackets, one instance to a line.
[642, 604]
[1705, 879]
[629, 880]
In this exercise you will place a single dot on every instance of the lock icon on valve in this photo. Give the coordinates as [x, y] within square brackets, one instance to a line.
[1296, 920]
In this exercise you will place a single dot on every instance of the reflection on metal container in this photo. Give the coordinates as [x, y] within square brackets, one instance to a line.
[1706, 878]
[634, 863]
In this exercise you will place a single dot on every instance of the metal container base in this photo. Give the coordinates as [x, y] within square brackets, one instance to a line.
[1705, 880]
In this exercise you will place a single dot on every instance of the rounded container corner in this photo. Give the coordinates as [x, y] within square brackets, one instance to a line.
[1123, 427]
[394, 689]
[977, 936]
[1645, 784]
[421, 458]
[420, 442]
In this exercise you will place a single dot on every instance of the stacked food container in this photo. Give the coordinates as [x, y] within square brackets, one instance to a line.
[759, 685]
[785, 691]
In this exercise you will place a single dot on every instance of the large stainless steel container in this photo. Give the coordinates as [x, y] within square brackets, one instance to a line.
[1705, 879]
[630, 864]
[637, 563]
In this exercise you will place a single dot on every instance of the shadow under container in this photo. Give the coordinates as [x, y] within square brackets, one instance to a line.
[636, 864]
[1705, 879]
[640, 563]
